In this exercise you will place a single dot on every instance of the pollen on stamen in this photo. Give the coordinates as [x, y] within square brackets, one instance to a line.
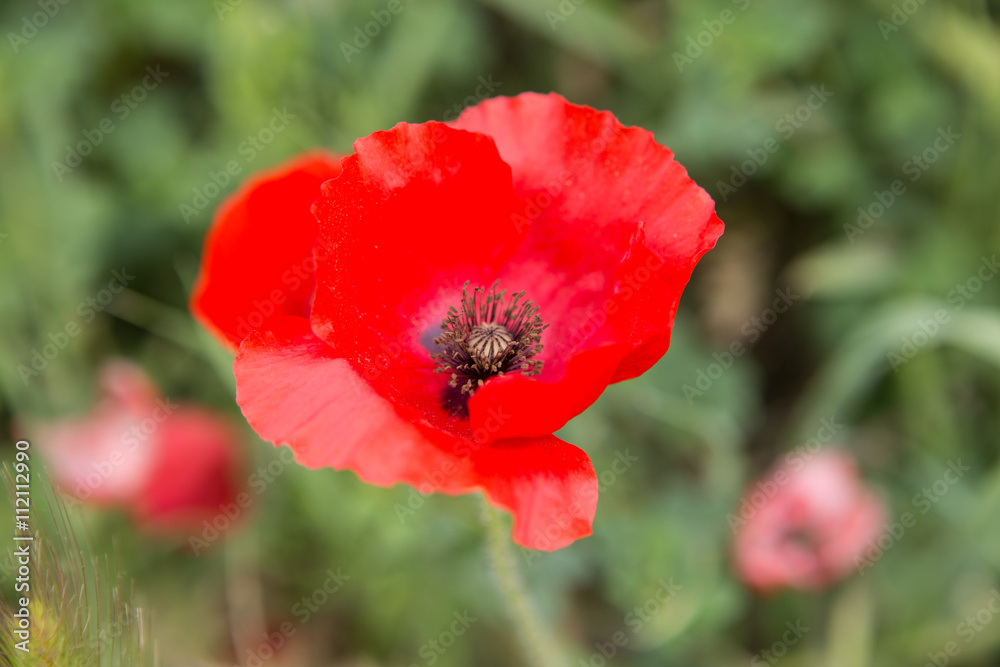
[489, 336]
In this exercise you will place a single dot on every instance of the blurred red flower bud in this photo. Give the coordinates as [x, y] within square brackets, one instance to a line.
[169, 466]
[806, 524]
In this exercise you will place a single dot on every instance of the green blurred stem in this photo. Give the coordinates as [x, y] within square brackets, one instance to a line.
[539, 644]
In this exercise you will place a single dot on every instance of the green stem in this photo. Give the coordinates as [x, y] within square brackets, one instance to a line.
[539, 645]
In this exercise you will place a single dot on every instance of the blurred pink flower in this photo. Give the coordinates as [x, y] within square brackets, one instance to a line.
[169, 466]
[805, 524]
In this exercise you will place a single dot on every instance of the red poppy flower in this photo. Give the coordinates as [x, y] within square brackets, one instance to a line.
[477, 284]
[171, 466]
[807, 525]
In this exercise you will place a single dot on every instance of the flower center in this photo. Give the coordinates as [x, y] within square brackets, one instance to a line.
[490, 335]
[488, 342]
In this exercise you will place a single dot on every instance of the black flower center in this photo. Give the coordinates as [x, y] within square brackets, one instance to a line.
[490, 335]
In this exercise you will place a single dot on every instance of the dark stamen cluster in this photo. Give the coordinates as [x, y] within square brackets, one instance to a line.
[487, 338]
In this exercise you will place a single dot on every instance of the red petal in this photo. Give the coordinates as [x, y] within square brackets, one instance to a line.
[596, 194]
[171, 467]
[193, 476]
[258, 253]
[418, 211]
[126, 385]
[295, 390]
[534, 406]
[105, 456]
[548, 485]
[79, 453]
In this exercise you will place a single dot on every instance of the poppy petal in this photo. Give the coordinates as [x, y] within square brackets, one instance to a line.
[418, 211]
[548, 485]
[258, 254]
[193, 472]
[584, 378]
[295, 390]
[596, 194]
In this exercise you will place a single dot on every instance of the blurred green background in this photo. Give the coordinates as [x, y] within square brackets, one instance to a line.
[793, 114]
